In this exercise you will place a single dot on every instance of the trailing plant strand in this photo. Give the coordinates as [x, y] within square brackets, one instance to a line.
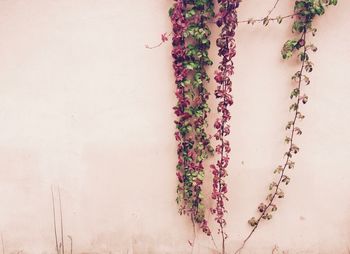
[190, 53]
[227, 21]
[306, 11]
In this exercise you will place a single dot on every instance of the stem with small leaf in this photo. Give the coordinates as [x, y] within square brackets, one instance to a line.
[306, 11]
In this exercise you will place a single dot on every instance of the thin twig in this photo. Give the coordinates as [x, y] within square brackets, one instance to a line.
[194, 233]
[274, 249]
[267, 17]
[2, 243]
[252, 21]
[273, 8]
[61, 218]
[288, 157]
[213, 240]
[54, 219]
[165, 38]
[154, 46]
[71, 243]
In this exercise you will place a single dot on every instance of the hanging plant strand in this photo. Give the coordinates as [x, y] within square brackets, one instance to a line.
[227, 21]
[190, 53]
[306, 11]
[183, 123]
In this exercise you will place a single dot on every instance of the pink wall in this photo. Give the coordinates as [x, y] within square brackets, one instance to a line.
[85, 106]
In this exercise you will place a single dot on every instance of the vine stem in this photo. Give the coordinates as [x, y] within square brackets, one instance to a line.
[169, 34]
[228, 19]
[194, 233]
[71, 243]
[164, 40]
[275, 248]
[214, 243]
[54, 219]
[220, 179]
[223, 122]
[270, 19]
[293, 130]
[2, 244]
[273, 8]
[61, 218]
[165, 36]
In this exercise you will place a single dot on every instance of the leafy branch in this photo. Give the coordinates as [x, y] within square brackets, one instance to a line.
[190, 53]
[227, 21]
[266, 209]
[164, 39]
[306, 11]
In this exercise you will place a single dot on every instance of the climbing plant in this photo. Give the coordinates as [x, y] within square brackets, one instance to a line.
[227, 22]
[304, 13]
[190, 53]
[191, 41]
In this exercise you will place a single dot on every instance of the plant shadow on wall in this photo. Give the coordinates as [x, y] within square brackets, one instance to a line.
[191, 21]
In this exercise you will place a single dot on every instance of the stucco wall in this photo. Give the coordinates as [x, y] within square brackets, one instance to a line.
[85, 106]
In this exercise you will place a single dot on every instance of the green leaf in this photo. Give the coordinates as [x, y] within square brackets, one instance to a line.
[288, 48]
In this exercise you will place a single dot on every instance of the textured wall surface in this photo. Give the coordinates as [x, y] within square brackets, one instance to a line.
[85, 106]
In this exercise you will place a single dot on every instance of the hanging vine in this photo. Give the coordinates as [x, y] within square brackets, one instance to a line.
[305, 12]
[227, 21]
[191, 43]
[190, 40]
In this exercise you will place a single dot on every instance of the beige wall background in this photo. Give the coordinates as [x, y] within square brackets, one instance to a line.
[85, 106]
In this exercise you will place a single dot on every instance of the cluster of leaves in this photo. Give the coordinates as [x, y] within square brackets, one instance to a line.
[190, 53]
[227, 21]
[306, 11]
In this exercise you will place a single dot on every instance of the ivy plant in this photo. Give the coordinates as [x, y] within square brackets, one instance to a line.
[227, 22]
[304, 13]
[190, 53]
[191, 42]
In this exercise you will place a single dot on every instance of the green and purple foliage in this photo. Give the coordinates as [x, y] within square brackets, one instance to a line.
[190, 53]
